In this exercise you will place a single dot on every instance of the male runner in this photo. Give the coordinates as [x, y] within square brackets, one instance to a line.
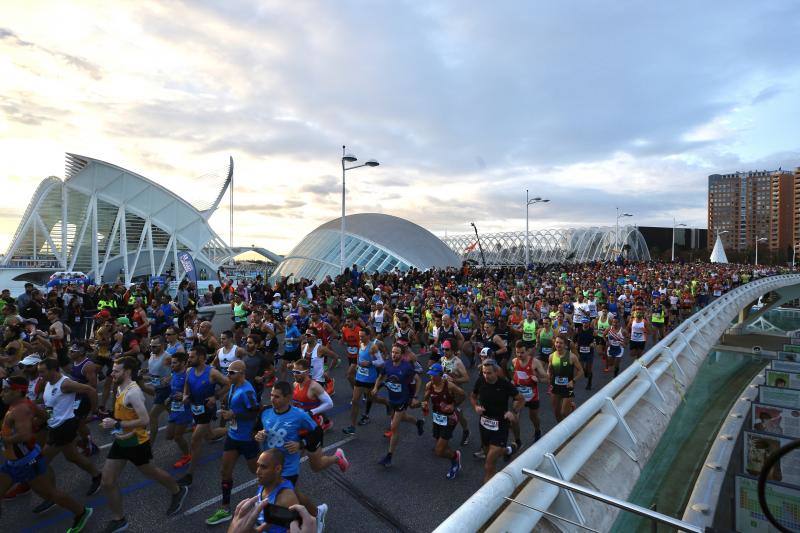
[240, 413]
[200, 392]
[180, 414]
[565, 369]
[528, 370]
[456, 372]
[83, 370]
[159, 366]
[584, 346]
[24, 462]
[273, 488]
[442, 397]
[131, 443]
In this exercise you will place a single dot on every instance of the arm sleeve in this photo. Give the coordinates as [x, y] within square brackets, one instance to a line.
[378, 361]
[325, 405]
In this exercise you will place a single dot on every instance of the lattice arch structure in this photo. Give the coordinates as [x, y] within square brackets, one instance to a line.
[109, 222]
[552, 245]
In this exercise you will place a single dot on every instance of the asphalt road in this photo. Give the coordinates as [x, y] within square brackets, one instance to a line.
[412, 495]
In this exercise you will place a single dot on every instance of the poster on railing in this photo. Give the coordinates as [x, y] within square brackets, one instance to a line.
[788, 380]
[758, 446]
[774, 419]
[788, 356]
[783, 503]
[785, 366]
[779, 396]
[794, 348]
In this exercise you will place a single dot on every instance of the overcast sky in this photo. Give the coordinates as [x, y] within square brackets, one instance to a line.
[465, 104]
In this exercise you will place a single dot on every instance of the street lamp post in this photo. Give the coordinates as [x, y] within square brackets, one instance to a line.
[673, 236]
[529, 202]
[616, 234]
[758, 240]
[348, 158]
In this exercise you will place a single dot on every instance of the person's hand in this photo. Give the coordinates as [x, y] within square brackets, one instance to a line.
[260, 436]
[211, 401]
[479, 409]
[246, 514]
[307, 523]
[510, 416]
[571, 384]
[186, 399]
[108, 423]
[226, 415]
[292, 446]
[414, 403]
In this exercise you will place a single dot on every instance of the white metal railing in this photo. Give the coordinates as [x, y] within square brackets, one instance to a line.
[570, 444]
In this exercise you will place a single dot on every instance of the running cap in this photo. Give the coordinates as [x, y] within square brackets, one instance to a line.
[436, 370]
[103, 314]
[486, 352]
[124, 320]
[361, 299]
[379, 302]
[31, 321]
[276, 295]
[31, 360]
[447, 345]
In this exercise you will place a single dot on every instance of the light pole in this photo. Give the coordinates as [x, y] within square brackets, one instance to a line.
[673, 236]
[348, 158]
[529, 202]
[616, 234]
[758, 240]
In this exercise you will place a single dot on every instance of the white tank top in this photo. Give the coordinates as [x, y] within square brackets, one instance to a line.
[317, 363]
[225, 359]
[60, 405]
[377, 319]
[32, 389]
[637, 331]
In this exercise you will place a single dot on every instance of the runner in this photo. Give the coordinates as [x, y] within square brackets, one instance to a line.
[583, 346]
[240, 412]
[443, 397]
[227, 352]
[456, 372]
[658, 319]
[274, 489]
[131, 444]
[544, 340]
[83, 371]
[158, 378]
[402, 382]
[600, 325]
[315, 352]
[180, 414]
[528, 371]
[60, 400]
[370, 361]
[199, 392]
[350, 339]
[490, 398]
[639, 332]
[615, 335]
[24, 462]
[291, 346]
[565, 369]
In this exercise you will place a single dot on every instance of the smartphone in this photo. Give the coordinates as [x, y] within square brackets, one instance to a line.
[280, 516]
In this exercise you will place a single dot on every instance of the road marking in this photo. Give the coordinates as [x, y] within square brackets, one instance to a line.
[104, 446]
[252, 482]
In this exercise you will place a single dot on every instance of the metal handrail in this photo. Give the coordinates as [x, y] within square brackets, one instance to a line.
[578, 436]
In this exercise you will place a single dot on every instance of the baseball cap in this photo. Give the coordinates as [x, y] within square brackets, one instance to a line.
[436, 370]
[486, 352]
[276, 295]
[103, 314]
[447, 345]
[31, 321]
[31, 360]
[124, 320]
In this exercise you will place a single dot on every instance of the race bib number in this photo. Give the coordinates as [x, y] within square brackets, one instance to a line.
[198, 410]
[527, 392]
[362, 371]
[352, 350]
[439, 419]
[394, 387]
[232, 424]
[490, 423]
[378, 327]
[116, 432]
[76, 404]
[562, 380]
[585, 349]
[155, 382]
[547, 350]
[521, 375]
[176, 407]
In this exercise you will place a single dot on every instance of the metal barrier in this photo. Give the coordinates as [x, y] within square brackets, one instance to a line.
[567, 447]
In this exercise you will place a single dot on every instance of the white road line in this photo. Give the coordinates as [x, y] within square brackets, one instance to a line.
[104, 446]
[252, 482]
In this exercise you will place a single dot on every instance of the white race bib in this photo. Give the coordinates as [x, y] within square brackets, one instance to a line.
[547, 350]
[439, 419]
[198, 410]
[522, 375]
[232, 424]
[585, 349]
[176, 407]
[561, 380]
[76, 404]
[490, 423]
[362, 371]
[155, 382]
[527, 392]
[352, 350]
[394, 387]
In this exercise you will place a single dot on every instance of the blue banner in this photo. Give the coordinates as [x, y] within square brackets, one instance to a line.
[187, 263]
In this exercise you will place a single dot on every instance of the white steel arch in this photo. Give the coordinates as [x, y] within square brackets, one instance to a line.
[552, 245]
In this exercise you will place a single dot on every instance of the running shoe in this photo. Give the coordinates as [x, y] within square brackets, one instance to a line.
[116, 525]
[330, 386]
[510, 451]
[322, 510]
[455, 466]
[177, 501]
[349, 430]
[95, 486]
[388, 433]
[17, 490]
[464, 437]
[45, 506]
[80, 521]
[341, 460]
[420, 427]
[386, 461]
[182, 462]
[364, 420]
[220, 516]
[480, 454]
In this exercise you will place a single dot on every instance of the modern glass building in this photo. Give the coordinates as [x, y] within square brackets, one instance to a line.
[373, 241]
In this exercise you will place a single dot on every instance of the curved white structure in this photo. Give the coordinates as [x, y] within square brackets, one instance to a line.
[608, 439]
[552, 245]
[110, 222]
[373, 241]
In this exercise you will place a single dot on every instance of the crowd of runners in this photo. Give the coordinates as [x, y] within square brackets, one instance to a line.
[126, 358]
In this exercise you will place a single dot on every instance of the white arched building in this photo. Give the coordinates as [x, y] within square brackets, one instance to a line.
[108, 222]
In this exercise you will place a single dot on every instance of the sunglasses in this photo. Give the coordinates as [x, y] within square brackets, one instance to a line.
[296, 372]
[234, 372]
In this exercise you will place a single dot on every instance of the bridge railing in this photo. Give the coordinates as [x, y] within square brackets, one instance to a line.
[568, 446]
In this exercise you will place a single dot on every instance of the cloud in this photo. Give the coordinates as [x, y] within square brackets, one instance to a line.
[323, 185]
[79, 63]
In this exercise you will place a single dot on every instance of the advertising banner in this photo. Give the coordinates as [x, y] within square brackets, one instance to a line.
[758, 446]
[779, 396]
[790, 380]
[783, 503]
[187, 263]
[785, 366]
[773, 419]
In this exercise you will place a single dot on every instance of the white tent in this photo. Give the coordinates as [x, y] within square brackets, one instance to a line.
[718, 253]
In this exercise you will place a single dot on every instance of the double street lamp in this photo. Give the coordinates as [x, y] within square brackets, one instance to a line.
[673, 236]
[529, 202]
[616, 234]
[348, 158]
[758, 240]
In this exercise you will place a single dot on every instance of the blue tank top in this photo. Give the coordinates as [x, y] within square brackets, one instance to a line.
[176, 405]
[465, 324]
[76, 372]
[200, 387]
[284, 484]
[366, 374]
[241, 399]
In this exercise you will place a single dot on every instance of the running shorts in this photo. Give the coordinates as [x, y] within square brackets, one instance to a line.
[139, 455]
